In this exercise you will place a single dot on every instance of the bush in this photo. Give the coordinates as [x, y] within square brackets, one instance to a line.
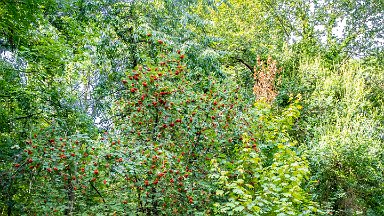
[268, 175]
[343, 137]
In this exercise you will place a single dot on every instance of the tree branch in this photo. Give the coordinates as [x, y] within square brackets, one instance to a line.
[27, 116]
[97, 192]
[246, 64]
[279, 19]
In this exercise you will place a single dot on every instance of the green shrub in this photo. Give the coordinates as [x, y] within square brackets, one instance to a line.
[267, 177]
[343, 125]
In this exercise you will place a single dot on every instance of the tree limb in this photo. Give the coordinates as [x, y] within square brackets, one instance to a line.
[27, 116]
[97, 192]
[246, 64]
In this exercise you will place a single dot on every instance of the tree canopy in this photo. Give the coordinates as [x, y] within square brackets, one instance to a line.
[192, 107]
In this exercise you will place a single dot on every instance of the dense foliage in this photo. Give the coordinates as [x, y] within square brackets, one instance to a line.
[193, 107]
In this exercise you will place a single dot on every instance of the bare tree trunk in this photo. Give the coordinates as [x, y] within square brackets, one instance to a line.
[71, 198]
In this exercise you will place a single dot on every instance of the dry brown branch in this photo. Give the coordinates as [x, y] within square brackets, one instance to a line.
[265, 75]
